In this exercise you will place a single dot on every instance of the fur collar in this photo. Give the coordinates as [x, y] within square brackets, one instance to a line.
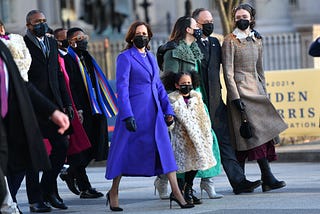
[188, 53]
[177, 97]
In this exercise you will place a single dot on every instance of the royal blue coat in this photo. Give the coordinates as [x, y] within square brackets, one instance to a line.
[148, 151]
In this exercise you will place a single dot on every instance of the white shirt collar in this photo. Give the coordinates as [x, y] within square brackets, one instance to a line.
[242, 35]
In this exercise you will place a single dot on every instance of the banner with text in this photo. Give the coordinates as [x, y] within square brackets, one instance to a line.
[295, 94]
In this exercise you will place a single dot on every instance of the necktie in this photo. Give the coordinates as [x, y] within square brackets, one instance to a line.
[3, 90]
[206, 44]
[43, 47]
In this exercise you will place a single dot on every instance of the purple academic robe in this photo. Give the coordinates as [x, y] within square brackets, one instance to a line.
[148, 151]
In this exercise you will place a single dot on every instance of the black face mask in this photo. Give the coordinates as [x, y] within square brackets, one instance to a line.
[207, 29]
[82, 45]
[40, 29]
[140, 41]
[64, 43]
[197, 33]
[242, 24]
[185, 89]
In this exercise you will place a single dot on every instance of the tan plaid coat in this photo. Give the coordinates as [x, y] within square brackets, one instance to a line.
[245, 79]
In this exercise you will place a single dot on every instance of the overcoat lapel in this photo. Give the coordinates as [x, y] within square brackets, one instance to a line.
[137, 56]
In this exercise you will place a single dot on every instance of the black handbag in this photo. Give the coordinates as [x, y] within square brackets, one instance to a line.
[245, 128]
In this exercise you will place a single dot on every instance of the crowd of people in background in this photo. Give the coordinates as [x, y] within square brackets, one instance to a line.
[171, 122]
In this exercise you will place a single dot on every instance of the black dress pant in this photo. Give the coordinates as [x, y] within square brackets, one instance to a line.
[57, 158]
[38, 191]
[77, 169]
[229, 161]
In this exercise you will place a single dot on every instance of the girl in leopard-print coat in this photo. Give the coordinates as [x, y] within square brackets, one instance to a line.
[191, 135]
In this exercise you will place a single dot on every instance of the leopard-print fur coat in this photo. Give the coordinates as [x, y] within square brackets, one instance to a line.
[191, 135]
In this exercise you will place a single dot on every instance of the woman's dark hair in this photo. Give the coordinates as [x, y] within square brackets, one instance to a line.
[250, 9]
[170, 78]
[132, 33]
[179, 30]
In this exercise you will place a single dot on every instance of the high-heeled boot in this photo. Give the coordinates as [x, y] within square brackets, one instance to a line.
[207, 185]
[188, 195]
[161, 184]
[269, 182]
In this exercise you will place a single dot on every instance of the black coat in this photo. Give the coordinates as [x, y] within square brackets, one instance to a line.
[20, 132]
[210, 74]
[45, 75]
[94, 125]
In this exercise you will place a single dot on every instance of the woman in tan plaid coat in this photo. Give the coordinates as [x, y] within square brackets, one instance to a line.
[246, 92]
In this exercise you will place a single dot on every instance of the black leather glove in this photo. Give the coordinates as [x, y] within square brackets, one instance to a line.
[169, 120]
[69, 112]
[239, 104]
[131, 124]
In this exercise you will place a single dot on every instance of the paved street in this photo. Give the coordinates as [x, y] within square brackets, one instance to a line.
[302, 194]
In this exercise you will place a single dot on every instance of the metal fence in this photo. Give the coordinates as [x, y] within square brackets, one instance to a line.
[281, 52]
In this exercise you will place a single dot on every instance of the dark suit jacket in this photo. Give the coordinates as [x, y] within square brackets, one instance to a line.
[20, 128]
[45, 75]
[210, 74]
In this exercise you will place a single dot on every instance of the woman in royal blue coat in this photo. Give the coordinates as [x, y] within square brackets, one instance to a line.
[140, 144]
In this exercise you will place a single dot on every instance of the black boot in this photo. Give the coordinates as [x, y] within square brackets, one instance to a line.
[188, 195]
[269, 182]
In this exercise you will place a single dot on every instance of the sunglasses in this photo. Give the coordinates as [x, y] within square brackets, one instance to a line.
[80, 38]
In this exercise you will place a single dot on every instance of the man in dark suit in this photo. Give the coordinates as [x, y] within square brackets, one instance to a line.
[95, 125]
[45, 75]
[21, 142]
[210, 74]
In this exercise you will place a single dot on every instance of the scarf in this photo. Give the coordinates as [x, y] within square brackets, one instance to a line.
[6, 37]
[103, 100]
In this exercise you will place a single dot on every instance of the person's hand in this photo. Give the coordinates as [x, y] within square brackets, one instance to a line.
[80, 115]
[169, 120]
[60, 119]
[69, 111]
[239, 104]
[131, 124]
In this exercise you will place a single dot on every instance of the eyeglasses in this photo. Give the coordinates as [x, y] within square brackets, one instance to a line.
[80, 38]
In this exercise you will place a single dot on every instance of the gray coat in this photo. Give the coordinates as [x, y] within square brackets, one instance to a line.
[245, 80]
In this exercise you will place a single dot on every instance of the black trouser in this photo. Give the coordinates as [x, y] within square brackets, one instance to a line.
[229, 161]
[82, 180]
[14, 183]
[32, 185]
[77, 168]
[57, 158]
